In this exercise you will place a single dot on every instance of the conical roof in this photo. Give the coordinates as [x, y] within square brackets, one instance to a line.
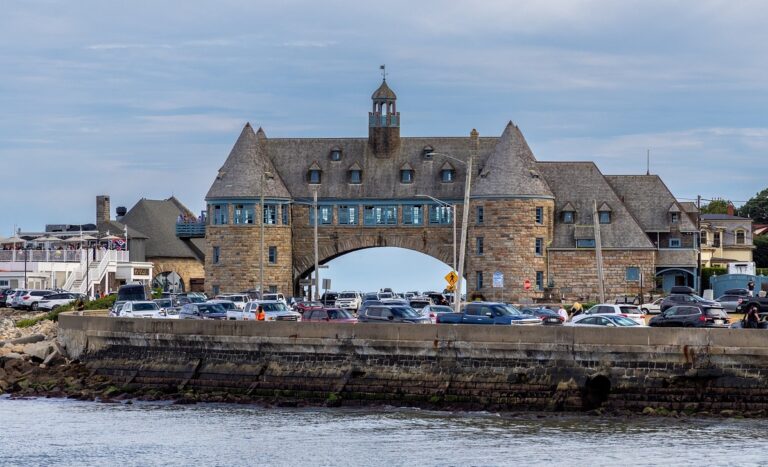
[242, 173]
[511, 169]
[384, 92]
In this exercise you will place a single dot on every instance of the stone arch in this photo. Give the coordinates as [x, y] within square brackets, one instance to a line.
[168, 281]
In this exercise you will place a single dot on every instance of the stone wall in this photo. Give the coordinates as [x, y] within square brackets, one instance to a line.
[186, 268]
[576, 271]
[490, 367]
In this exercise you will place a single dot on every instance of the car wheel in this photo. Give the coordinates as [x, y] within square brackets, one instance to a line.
[54, 307]
[34, 306]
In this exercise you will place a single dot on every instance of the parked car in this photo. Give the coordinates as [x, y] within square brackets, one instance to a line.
[30, 299]
[55, 300]
[202, 311]
[628, 311]
[742, 292]
[691, 317]
[626, 300]
[165, 304]
[336, 315]
[329, 298]
[731, 302]
[684, 296]
[382, 313]
[349, 300]
[546, 315]
[238, 299]
[274, 297]
[652, 308]
[417, 303]
[488, 313]
[386, 294]
[609, 320]
[273, 311]
[141, 309]
[115, 309]
[133, 292]
[366, 304]
[304, 306]
[432, 311]
[228, 305]
[4, 294]
[410, 294]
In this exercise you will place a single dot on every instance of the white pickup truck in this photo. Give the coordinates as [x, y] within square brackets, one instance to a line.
[274, 310]
[349, 300]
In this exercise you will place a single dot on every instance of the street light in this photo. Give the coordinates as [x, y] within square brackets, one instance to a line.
[453, 217]
[264, 177]
[465, 212]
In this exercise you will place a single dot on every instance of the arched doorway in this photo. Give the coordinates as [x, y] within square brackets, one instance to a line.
[168, 281]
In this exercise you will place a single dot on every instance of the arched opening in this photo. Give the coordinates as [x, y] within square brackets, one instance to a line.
[370, 269]
[168, 281]
[596, 391]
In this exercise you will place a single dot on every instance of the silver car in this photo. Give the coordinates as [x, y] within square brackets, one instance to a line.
[730, 302]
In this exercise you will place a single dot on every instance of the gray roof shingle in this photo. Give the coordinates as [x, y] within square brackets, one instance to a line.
[650, 201]
[157, 218]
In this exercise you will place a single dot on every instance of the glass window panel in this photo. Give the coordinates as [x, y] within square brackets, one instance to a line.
[413, 215]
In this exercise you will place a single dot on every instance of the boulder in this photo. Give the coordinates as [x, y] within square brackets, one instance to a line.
[39, 350]
[12, 356]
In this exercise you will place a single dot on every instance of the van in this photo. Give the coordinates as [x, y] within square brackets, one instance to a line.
[133, 292]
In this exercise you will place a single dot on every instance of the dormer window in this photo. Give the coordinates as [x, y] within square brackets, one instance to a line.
[604, 214]
[355, 174]
[315, 174]
[426, 153]
[406, 173]
[674, 217]
[568, 213]
[335, 154]
[447, 173]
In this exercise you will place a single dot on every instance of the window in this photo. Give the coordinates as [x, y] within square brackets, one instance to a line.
[539, 247]
[216, 254]
[324, 213]
[704, 237]
[348, 215]
[478, 280]
[244, 214]
[479, 245]
[585, 243]
[539, 280]
[286, 210]
[674, 243]
[335, 154]
[314, 176]
[440, 214]
[219, 214]
[272, 289]
[480, 214]
[270, 214]
[215, 289]
[568, 217]
[740, 237]
[447, 175]
[272, 255]
[539, 215]
[356, 176]
[426, 153]
[380, 215]
[717, 239]
[674, 217]
[406, 176]
[413, 215]
[632, 273]
[605, 217]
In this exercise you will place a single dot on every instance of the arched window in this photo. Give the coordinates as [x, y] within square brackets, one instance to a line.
[426, 153]
[406, 173]
[335, 154]
[741, 237]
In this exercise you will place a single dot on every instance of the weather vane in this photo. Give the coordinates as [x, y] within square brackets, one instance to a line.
[383, 69]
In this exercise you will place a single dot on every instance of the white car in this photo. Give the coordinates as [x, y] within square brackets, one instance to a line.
[141, 309]
[30, 299]
[431, 311]
[53, 301]
[653, 307]
[349, 300]
[239, 299]
[632, 312]
[273, 311]
[274, 297]
[603, 320]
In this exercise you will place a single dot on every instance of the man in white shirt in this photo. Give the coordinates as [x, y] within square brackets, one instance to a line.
[563, 314]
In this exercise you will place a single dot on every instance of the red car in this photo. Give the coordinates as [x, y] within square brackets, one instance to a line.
[329, 315]
[305, 306]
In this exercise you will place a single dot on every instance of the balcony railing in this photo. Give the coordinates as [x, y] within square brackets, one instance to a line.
[190, 229]
[59, 256]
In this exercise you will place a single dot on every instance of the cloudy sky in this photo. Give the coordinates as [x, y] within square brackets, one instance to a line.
[146, 98]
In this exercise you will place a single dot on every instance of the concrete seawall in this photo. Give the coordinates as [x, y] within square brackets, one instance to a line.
[504, 368]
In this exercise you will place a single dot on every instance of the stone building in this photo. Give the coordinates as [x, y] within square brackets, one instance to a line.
[529, 220]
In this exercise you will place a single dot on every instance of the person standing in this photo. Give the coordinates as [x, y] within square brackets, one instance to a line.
[751, 287]
[752, 318]
[563, 314]
[261, 316]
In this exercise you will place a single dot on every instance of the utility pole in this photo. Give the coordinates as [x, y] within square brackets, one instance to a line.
[598, 252]
[465, 218]
[699, 287]
[317, 262]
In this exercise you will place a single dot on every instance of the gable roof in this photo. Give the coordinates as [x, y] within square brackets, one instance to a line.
[157, 218]
[650, 202]
[723, 217]
[118, 228]
[581, 184]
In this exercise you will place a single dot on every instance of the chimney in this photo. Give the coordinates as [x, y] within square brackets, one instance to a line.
[102, 209]
[730, 209]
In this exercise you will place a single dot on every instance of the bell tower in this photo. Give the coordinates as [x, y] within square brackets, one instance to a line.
[384, 121]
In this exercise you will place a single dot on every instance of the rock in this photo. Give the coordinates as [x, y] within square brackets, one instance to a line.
[649, 411]
[727, 413]
[26, 339]
[39, 350]
[50, 358]
[12, 356]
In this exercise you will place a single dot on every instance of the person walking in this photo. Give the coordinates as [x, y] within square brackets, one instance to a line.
[261, 316]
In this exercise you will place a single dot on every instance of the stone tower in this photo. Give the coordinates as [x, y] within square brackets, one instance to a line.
[384, 122]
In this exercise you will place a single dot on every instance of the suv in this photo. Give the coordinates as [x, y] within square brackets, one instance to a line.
[349, 300]
[329, 298]
[141, 309]
[30, 299]
[53, 301]
[685, 296]
[691, 317]
[4, 295]
[392, 314]
[629, 311]
[239, 299]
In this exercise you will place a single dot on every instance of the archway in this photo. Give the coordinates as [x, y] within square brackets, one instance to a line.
[168, 281]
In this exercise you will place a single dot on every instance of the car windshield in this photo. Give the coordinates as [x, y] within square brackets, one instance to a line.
[339, 314]
[164, 302]
[227, 305]
[506, 310]
[196, 299]
[348, 295]
[313, 304]
[404, 312]
[145, 306]
[440, 309]
[211, 308]
[274, 307]
[630, 310]
[716, 313]
[622, 321]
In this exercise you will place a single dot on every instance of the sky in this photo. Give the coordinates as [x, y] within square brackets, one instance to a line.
[146, 98]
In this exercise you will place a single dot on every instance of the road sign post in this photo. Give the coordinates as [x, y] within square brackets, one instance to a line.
[452, 278]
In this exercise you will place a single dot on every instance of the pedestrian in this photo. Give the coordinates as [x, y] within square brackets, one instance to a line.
[576, 309]
[752, 318]
[751, 287]
[563, 314]
[261, 316]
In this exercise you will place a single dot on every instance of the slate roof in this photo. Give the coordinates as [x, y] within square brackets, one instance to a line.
[383, 92]
[650, 202]
[157, 218]
[118, 228]
[581, 184]
[723, 217]
[689, 207]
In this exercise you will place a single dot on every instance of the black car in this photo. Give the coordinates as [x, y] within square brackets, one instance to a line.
[742, 292]
[391, 314]
[329, 298]
[684, 296]
[685, 316]
[202, 311]
[546, 315]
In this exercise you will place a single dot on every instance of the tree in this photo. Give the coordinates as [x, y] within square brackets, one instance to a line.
[760, 254]
[716, 206]
[756, 208]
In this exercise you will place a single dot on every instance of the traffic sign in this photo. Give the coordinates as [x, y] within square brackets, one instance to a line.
[527, 284]
[452, 278]
[498, 279]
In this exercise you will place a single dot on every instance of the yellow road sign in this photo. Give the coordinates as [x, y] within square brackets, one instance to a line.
[452, 278]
